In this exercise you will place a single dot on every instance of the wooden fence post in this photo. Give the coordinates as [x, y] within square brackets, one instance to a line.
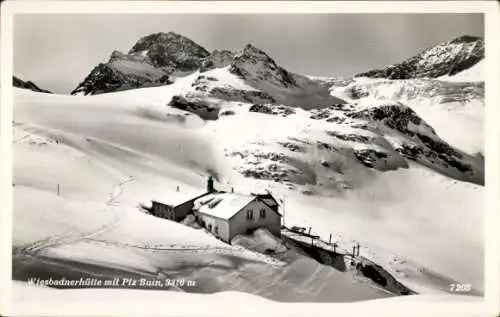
[353, 251]
[335, 247]
[330, 239]
[309, 230]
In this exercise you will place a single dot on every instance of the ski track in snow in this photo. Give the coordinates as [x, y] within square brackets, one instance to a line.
[37, 247]
[231, 250]
[70, 238]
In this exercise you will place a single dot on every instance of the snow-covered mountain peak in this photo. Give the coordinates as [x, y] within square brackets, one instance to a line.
[448, 58]
[150, 62]
[260, 71]
[121, 73]
[155, 59]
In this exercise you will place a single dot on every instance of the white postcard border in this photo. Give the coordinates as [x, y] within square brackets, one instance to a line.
[233, 303]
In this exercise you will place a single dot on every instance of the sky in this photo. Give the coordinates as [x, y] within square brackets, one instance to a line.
[57, 51]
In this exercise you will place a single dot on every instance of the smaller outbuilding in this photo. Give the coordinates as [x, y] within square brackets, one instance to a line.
[175, 207]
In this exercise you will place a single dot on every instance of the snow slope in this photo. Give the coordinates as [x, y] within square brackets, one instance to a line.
[473, 74]
[93, 228]
[444, 84]
[96, 235]
[439, 102]
[134, 134]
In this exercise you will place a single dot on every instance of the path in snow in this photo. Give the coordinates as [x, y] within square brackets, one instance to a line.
[69, 238]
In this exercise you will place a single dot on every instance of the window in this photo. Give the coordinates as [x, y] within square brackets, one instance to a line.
[209, 227]
[262, 213]
[216, 230]
[249, 214]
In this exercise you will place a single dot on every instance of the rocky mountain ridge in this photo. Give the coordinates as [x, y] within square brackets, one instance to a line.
[371, 118]
[169, 50]
[155, 60]
[16, 82]
[447, 58]
[160, 58]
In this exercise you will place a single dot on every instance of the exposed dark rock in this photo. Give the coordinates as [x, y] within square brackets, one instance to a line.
[199, 107]
[16, 82]
[373, 274]
[226, 113]
[446, 153]
[319, 114]
[254, 64]
[231, 94]
[350, 137]
[272, 109]
[217, 59]
[171, 50]
[335, 119]
[291, 146]
[362, 126]
[273, 172]
[107, 78]
[262, 108]
[410, 152]
[369, 157]
[325, 146]
[432, 149]
[341, 107]
[395, 116]
[101, 79]
[165, 79]
[355, 92]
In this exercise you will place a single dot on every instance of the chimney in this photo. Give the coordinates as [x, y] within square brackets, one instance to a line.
[210, 185]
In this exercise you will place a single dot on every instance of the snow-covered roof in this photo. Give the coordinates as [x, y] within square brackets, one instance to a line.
[222, 205]
[175, 198]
